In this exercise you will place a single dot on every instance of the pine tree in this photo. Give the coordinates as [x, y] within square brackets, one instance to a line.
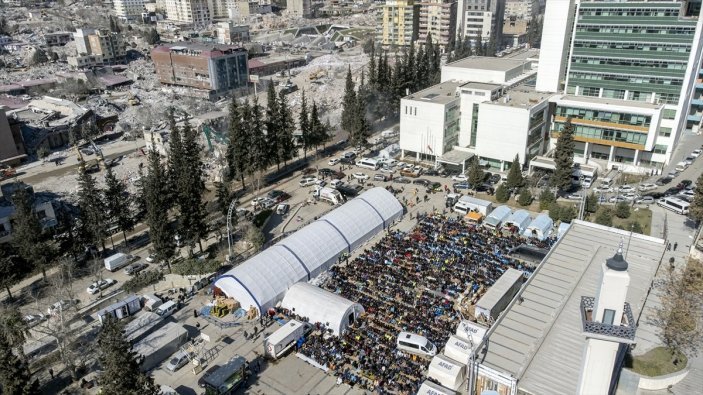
[525, 198]
[421, 69]
[27, 234]
[318, 130]
[349, 113]
[555, 211]
[304, 125]
[564, 158]
[591, 203]
[155, 191]
[92, 213]
[475, 175]
[258, 150]
[223, 197]
[362, 128]
[117, 203]
[372, 67]
[120, 366]
[9, 271]
[15, 377]
[239, 140]
[696, 209]
[546, 198]
[515, 178]
[287, 149]
[177, 161]
[190, 186]
[502, 193]
[272, 126]
[397, 88]
[567, 213]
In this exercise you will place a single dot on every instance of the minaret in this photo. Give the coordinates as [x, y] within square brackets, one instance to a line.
[607, 323]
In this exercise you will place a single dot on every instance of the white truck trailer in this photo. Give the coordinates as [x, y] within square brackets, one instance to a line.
[160, 345]
[117, 261]
[284, 338]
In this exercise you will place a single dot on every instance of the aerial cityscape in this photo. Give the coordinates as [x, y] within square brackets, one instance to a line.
[432, 197]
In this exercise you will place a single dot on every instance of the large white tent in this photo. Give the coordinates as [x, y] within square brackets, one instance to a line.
[318, 305]
[458, 349]
[430, 388]
[519, 219]
[540, 228]
[447, 371]
[262, 280]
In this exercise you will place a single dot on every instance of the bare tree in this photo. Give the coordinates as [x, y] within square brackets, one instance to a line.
[680, 314]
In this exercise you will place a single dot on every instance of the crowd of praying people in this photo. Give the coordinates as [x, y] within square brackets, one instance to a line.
[410, 281]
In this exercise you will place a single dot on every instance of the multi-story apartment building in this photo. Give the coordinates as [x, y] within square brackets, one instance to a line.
[518, 16]
[484, 17]
[397, 22]
[195, 12]
[438, 19]
[629, 72]
[521, 9]
[299, 8]
[230, 33]
[58, 38]
[215, 69]
[97, 47]
[128, 10]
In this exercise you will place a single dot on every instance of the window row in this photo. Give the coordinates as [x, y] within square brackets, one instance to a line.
[627, 79]
[676, 31]
[633, 46]
[630, 63]
[604, 116]
[589, 132]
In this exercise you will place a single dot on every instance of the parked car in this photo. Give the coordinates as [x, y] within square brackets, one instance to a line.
[486, 187]
[616, 199]
[648, 186]
[321, 183]
[655, 195]
[307, 181]
[684, 184]
[461, 185]
[151, 258]
[136, 268]
[672, 191]
[460, 178]
[178, 360]
[434, 187]
[33, 320]
[380, 177]
[626, 189]
[325, 171]
[100, 285]
[360, 176]
[645, 200]
[696, 153]
[422, 181]
[494, 178]
[689, 160]
[402, 180]
[347, 161]
[257, 201]
[333, 162]
[630, 196]
[282, 209]
[349, 155]
[278, 196]
[603, 189]
[61, 305]
[574, 196]
[663, 181]
[432, 172]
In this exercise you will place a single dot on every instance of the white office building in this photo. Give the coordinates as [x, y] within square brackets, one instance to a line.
[128, 10]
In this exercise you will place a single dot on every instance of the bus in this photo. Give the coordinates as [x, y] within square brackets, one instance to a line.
[368, 163]
[674, 204]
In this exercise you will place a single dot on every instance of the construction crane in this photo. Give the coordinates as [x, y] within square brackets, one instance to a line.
[212, 134]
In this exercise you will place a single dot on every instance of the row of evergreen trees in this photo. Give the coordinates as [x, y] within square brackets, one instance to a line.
[261, 138]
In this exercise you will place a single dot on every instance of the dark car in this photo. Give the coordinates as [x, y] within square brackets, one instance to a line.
[278, 196]
[136, 268]
[347, 161]
[655, 195]
[432, 172]
[461, 185]
[672, 191]
[494, 179]
[309, 170]
[684, 184]
[663, 181]
[485, 187]
[325, 171]
[211, 370]
[434, 187]
[422, 181]
[402, 180]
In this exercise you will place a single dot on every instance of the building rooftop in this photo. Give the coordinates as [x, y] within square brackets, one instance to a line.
[441, 93]
[522, 96]
[211, 50]
[523, 54]
[541, 331]
[481, 85]
[607, 101]
[488, 63]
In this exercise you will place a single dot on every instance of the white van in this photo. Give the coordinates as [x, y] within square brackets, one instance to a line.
[415, 344]
[674, 204]
[166, 309]
[681, 166]
[368, 163]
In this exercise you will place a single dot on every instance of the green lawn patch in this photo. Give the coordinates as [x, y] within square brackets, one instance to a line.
[657, 362]
[642, 215]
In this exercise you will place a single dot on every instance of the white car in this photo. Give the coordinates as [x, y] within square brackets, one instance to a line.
[60, 306]
[630, 196]
[33, 320]
[360, 176]
[696, 153]
[401, 165]
[460, 178]
[616, 199]
[307, 181]
[333, 161]
[647, 187]
[257, 201]
[100, 285]
[645, 200]
[151, 258]
[321, 183]
[336, 183]
[603, 189]
[689, 160]
[626, 189]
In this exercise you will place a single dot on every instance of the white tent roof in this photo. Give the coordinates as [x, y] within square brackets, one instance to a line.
[262, 280]
[497, 216]
[540, 228]
[472, 331]
[430, 388]
[321, 306]
[447, 371]
[520, 219]
[458, 349]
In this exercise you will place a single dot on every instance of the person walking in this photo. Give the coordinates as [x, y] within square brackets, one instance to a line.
[668, 247]
[676, 244]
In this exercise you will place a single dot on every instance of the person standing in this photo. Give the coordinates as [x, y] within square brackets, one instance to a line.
[676, 244]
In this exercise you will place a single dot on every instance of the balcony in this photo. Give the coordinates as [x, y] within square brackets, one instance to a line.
[623, 333]
[697, 102]
[694, 117]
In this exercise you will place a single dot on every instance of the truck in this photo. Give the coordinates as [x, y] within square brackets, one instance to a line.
[142, 325]
[228, 377]
[117, 261]
[284, 338]
[161, 344]
[330, 195]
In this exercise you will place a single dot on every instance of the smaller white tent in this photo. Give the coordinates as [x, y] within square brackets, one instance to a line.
[519, 219]
[458, 349]
[472, 331]
[447, 371]
[563, 227]
[497, 216]
[321, 306]
[540, 228]
[430, 388]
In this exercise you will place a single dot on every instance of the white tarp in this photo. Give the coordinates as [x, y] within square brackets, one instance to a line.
[262, 280]
[458, 349]
[322, 306]
[430, 388]
[447, 371]
[471, 331]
